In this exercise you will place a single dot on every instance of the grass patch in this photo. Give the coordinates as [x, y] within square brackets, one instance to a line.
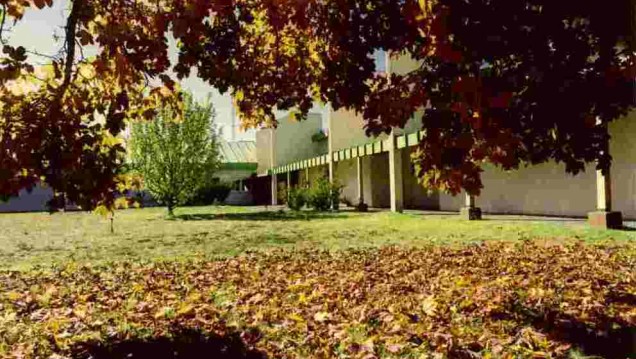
[237, 282]
[202, 232]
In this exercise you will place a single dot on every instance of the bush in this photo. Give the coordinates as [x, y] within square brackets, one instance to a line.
[297, 198]
[335, 190]
[210, 194]
[162, 152]
[319, 196]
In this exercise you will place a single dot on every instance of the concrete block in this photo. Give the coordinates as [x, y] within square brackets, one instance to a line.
[362, 207]
[605, 220]
[470, 213]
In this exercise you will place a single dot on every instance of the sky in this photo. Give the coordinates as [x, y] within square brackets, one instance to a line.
[37, 30]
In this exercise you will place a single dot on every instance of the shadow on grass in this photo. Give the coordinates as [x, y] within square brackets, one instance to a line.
[259, 216]
[605, 338]
[184, 344]
[628, 229]
[537, 219]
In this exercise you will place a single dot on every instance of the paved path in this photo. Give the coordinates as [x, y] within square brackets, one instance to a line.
[630, 224]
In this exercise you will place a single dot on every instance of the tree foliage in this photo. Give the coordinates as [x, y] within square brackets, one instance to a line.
[508, 82]
[511, 82]
[176, 157]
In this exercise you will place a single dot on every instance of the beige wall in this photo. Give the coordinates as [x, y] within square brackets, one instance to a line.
[415, 196]
[623, 151]
[347, 130]
[28, 202]
[314, 173]
[380, 187]
[347, 127]
[547, 189]
[263, 153]
[376, 182]
[293, 139]
[542, 189]
[346, 173]
[292, 142]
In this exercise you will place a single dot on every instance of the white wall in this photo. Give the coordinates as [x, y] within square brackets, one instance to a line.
[547, 189]
[623, 151]
[542, 189]
[28, 202]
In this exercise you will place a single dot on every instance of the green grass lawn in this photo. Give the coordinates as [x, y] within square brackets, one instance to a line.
[38, 238]
[235, 282]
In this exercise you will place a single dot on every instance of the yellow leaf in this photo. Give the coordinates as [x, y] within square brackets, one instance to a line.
[102, 211]
[429, 306]
[296, 317]
[13, 296]
[302, 298]
[111, 141]
[186, 309]
[121, 203]
[321, 316]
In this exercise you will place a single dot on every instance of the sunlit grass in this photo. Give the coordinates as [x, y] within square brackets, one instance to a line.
[146, 234]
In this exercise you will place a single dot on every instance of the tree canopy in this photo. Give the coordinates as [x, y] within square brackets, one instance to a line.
[509, 82]
[176, 158]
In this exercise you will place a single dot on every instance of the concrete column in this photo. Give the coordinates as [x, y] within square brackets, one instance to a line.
[289, 184]
[272, 158]
[274, 189]
[360, 184]
[470, 211]
[603, 191]
[604, 217]
[361, 206]
[308, 182]
[469, 201]
[396, 182]
[330, 142]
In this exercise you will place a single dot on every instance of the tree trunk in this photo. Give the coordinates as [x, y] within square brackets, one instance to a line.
[170, 209]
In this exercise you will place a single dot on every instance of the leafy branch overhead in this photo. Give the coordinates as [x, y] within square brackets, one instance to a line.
[510, 82]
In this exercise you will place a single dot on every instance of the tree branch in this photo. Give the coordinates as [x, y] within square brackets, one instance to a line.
[4, 17]
[81, 49]
[71, 30]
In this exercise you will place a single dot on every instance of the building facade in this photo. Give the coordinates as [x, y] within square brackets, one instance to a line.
[379, 171]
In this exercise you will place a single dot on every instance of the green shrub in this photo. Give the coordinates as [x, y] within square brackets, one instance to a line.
[297, 198]
[210, 194]
[319, 196]
[335, 190]
[176, 158]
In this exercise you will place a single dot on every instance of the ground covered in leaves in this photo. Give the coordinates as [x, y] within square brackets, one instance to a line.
[487, 300]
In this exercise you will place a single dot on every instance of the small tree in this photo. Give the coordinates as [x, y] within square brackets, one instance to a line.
[174, 157]
[320, 195]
